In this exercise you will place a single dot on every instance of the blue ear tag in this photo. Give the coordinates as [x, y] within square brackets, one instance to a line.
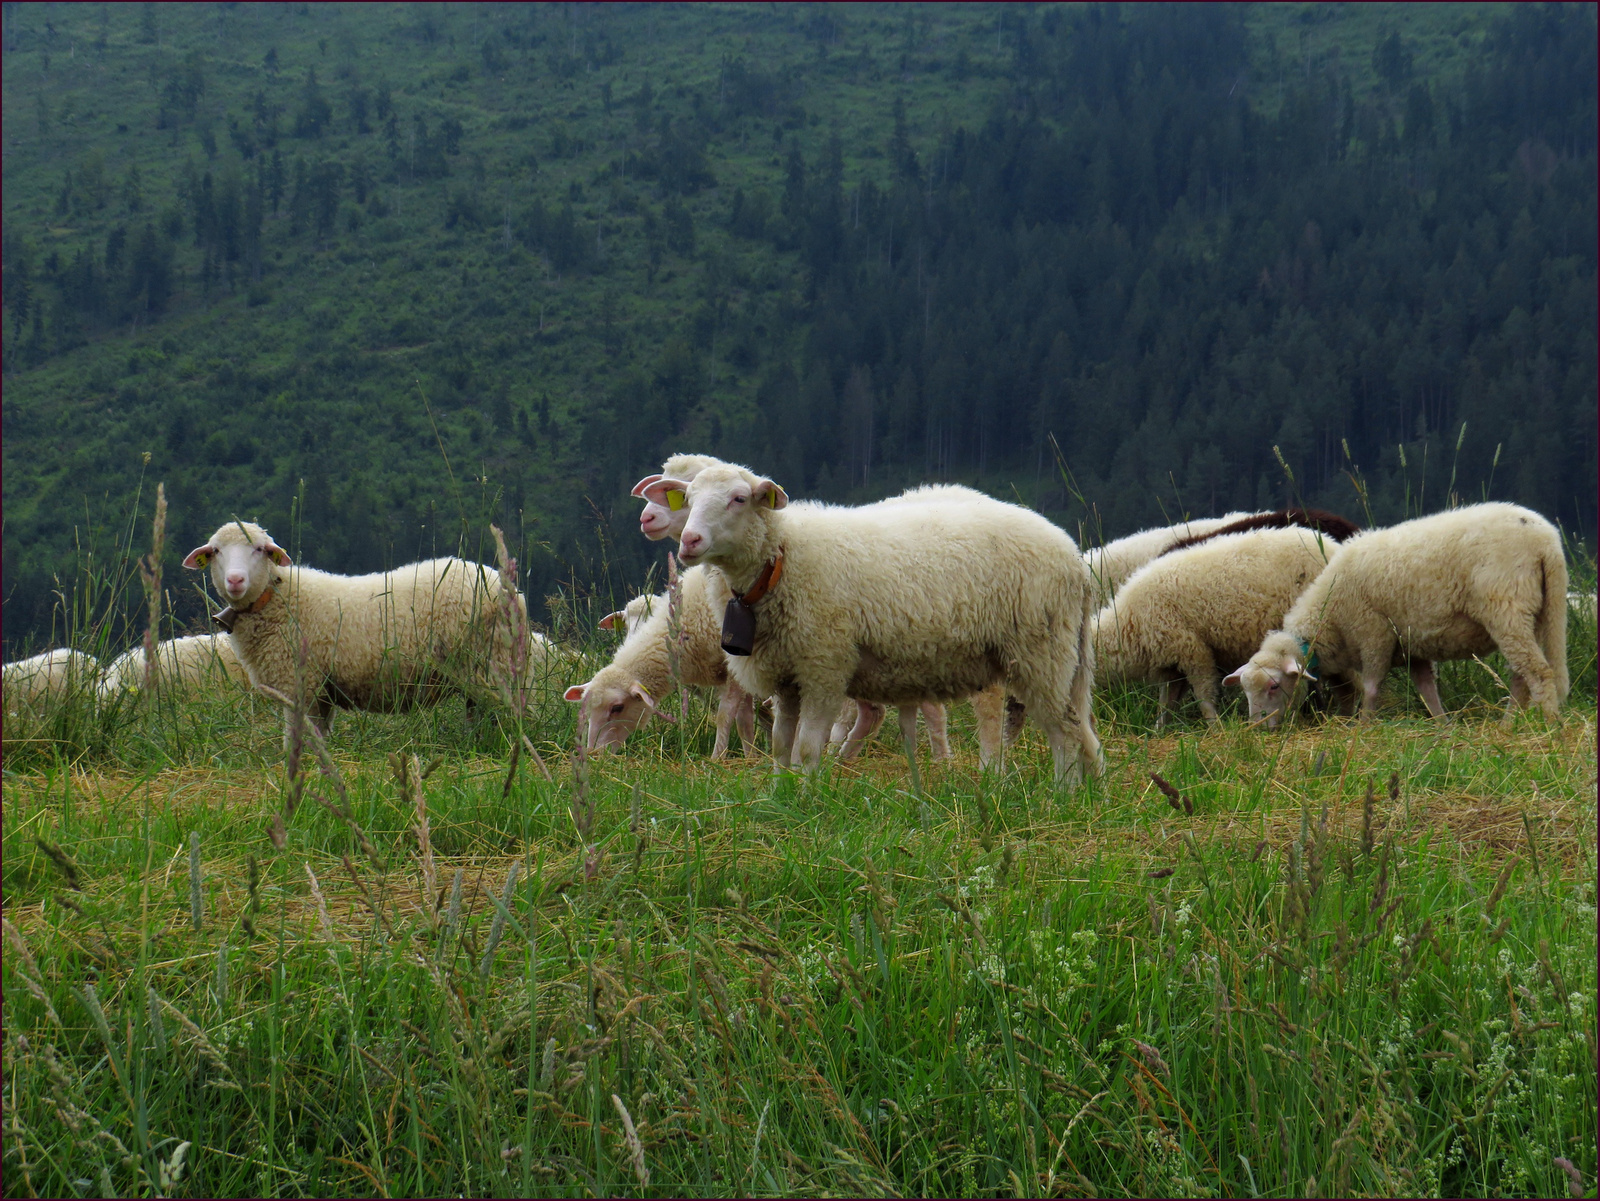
[674, 499]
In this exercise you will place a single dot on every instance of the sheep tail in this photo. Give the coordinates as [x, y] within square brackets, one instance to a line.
[1551, 626]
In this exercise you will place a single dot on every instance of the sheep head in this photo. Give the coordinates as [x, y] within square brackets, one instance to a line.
[728, 509]
[613, 705]
[1270, 677]
[241, 556]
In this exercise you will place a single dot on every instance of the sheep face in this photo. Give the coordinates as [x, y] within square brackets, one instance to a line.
[241, 556]
[611, 709]
[725, 506]
[659, 520]
[1270, 677]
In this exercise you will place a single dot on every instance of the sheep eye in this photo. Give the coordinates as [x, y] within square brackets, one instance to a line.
[616, 709]
[739, 500]
[1273, 686]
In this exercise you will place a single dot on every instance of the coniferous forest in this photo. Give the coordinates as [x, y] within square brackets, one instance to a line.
[376, 276]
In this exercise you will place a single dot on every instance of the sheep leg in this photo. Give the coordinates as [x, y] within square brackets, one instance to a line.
[938, 721]
[726, 708]
[868, 718]
[785, 719]
[1526, 658]
[1427, 685]
[906, 715]
[816, 714]
[1370, 683]
[990, 708]
[744, 717]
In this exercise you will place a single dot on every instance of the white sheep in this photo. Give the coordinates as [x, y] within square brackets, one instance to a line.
[382, 642]
[186, 662]
[1453, 585]
[33, 682]
[664, 518]
[1113, 563]
[927, 600]
[1178, 615]
[627, 690]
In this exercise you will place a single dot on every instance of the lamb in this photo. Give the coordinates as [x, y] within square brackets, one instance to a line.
[1179, 614]
[1453, 585]
[1113, 563]
[1340, 529]
[206, 659]
[32, 682]
[898, 603]
[624, 693]
[381, 642]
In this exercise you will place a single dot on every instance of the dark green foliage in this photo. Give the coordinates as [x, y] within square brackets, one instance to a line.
[520, 255]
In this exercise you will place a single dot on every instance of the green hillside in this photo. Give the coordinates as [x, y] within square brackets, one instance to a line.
[377, 275]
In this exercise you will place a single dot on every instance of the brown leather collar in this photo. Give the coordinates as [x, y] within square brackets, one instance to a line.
[228, 616]
[765, 582]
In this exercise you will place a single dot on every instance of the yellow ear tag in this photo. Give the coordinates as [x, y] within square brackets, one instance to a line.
[674, 499]
[772, 499]
[202, 560]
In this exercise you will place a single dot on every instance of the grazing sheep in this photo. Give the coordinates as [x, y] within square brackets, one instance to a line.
[632, 615]
[1338, 528]
[625, 692]
[205, 659]
[1451, 586]
[382, 642]
[896, 604]
[1178, 615]
[1113, 563]
[30, 683]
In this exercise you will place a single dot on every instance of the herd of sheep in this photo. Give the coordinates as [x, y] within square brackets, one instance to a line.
[830, 614]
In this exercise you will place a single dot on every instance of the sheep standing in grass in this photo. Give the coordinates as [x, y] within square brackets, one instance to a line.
[896, 604]
[32, 682]
[626, 691]
[1114, 562]
[185, 662]
[1177, 616]
[1451, 586]
[631, 616]
[381, 642]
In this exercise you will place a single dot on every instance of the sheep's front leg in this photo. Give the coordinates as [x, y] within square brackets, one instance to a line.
[816, 719]
[1427, 685]
[744, 717]
[938, 728]
[1371, 681]
[785, 720]
[726, 709]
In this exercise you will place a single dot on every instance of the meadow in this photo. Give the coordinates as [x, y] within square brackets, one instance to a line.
[1332, 960]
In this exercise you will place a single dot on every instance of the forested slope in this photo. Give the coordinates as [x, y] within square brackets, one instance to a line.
[374, 275]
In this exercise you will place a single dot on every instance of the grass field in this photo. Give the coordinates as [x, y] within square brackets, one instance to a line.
[1343, 961]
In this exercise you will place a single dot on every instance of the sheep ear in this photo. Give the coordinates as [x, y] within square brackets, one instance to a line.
[638, 489]
[575, 693]
[197, 559]
[767, 494]
[277, 553]
[1291, 667]
[668, 493]
[649, 702]
[1233, 680]
[609, 621]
